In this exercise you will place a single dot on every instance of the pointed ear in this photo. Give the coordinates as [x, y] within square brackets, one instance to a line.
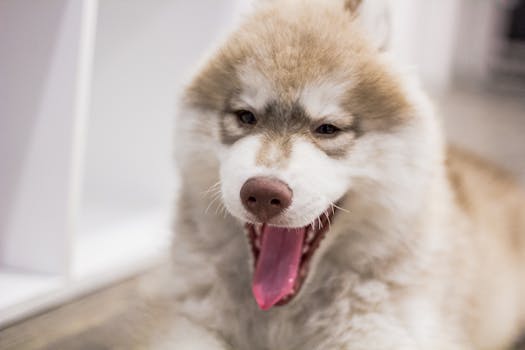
[374, 16]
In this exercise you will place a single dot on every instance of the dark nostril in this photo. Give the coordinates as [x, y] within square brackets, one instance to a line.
[252, 199]
[275, 202]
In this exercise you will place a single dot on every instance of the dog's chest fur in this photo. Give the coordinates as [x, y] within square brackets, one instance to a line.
[335, 307]
[323, 317]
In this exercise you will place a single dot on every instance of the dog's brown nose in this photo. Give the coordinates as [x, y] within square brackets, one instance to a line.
[265, 197]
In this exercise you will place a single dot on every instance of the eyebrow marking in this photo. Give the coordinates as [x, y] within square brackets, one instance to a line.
[255, 88]
[324, 99]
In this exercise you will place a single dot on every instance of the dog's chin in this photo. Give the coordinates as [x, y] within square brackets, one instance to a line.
[282, 257]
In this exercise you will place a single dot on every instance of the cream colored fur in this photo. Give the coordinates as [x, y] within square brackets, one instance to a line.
[429, 252]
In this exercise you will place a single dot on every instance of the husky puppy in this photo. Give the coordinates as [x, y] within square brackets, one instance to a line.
[320, 208]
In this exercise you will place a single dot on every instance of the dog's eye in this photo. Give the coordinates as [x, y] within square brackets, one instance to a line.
[246, 117]
[327, 129]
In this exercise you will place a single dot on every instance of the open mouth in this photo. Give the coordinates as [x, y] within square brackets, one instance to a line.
[282, 256]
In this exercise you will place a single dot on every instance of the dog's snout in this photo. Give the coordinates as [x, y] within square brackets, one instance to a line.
[265, 197]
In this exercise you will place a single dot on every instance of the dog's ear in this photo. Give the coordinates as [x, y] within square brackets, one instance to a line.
[374, 16]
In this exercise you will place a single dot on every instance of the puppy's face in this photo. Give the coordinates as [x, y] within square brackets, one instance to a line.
[302, 112]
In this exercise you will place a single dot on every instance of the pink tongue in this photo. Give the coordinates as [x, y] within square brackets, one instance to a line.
[278, 264]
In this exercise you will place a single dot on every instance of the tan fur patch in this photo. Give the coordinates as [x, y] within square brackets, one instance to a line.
[316, 43]
[457, 183]
[477, 184]
[274, 152]
[377, 99]
[352, 5]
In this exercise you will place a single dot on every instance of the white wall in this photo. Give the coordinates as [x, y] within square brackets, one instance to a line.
[144, 52]
[447, 41]
[479, 31]
[41, 45]
[424, 38]
[114, 151]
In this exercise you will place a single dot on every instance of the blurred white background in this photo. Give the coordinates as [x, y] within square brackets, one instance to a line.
[88, 93]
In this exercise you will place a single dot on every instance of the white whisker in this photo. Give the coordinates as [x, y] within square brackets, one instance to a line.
[340, 208]
[212, 187]
[328, 218]
[210, 204]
